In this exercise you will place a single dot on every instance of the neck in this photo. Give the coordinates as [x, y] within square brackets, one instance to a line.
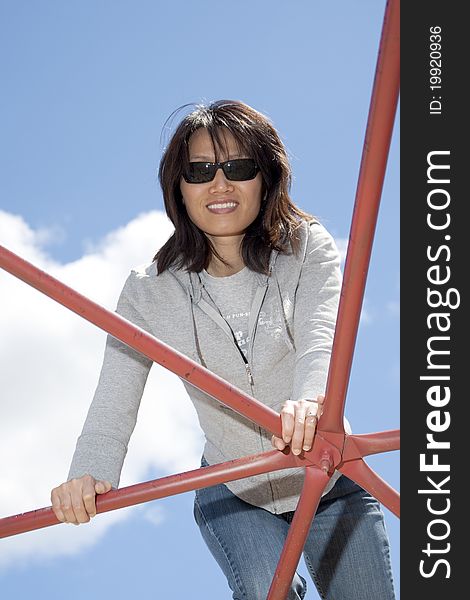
[227, 248]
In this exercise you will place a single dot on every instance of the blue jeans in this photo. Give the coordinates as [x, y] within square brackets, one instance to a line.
[347, 550]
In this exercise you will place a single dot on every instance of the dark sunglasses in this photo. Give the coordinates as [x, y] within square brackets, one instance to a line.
[239, 169]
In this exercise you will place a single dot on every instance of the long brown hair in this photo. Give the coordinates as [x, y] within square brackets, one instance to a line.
[276, 224]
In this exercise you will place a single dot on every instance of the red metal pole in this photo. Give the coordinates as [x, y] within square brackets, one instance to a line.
[314, 484]
[365, 444]
[362, 474]
[371, 176]
[247, 466]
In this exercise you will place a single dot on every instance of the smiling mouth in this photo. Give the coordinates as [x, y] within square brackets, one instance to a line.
[222, 206]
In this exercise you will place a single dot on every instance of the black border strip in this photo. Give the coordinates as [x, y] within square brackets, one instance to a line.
[434, 336]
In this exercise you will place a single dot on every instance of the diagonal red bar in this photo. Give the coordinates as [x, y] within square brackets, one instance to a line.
[159, 488]
[142, 341]
[367, 478]
[314, 484]
[371, 176]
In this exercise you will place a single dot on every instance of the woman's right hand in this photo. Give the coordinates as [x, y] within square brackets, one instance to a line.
[74, 500]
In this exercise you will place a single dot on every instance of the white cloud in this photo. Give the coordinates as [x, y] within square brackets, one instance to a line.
[342, 245]
[155, 515]
[50, 365]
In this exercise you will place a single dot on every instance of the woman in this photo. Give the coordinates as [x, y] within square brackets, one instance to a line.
[248, 286]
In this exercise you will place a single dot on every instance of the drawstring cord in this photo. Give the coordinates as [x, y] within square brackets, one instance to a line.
[196, 346]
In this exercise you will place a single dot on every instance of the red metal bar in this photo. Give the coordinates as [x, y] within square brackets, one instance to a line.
[362, 474]
[159, 488]
[324, 454]
[143, 342]
[365, 444]
[371, 176]
[314, 484]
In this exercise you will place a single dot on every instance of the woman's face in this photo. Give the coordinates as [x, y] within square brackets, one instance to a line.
[220, 208]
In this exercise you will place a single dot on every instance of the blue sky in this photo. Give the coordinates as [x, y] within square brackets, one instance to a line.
[87, 88]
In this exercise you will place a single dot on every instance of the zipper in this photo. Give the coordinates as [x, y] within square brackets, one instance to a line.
[255, 425]
[250, 375]
[216, 316]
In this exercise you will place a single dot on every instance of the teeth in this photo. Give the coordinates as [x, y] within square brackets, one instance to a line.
[223, 205]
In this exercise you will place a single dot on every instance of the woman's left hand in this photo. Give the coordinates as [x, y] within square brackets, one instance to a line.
[299, 422]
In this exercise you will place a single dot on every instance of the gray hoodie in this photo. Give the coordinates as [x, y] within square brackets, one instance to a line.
[288, 355]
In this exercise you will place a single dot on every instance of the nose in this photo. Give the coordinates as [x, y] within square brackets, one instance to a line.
[220, 182]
